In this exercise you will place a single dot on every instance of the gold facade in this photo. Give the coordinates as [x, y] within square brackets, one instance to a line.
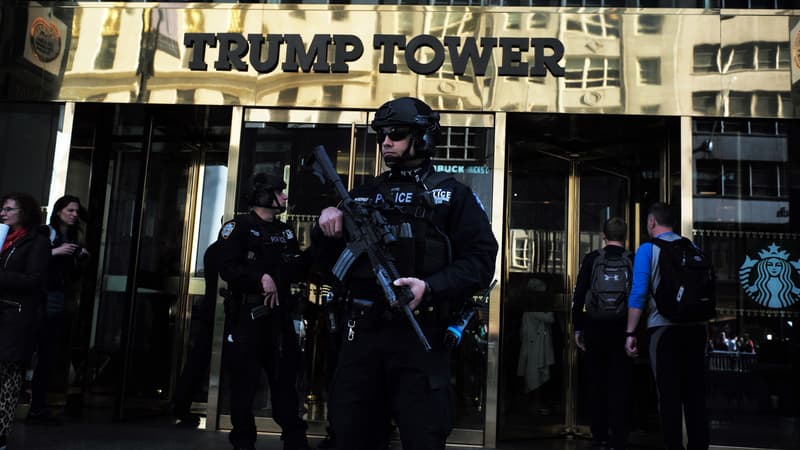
[687, 62]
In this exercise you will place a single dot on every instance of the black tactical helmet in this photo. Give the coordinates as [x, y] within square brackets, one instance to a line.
[414, 113]
[262, 191]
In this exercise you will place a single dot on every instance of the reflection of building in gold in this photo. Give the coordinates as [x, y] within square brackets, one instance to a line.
[621, 61]
[755, 63]
[753, 60]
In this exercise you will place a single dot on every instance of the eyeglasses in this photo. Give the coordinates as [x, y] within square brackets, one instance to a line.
[8, 210]
[394, 133]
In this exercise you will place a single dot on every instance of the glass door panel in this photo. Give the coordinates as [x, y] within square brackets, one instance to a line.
[106, 360]
[603, 194]
[534, 315]
[159, 282]
[141, 313]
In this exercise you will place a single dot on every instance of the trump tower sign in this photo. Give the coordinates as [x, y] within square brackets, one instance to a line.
[331, 53]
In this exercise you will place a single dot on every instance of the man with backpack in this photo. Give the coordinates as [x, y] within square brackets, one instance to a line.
[675, 281]
[599, 309]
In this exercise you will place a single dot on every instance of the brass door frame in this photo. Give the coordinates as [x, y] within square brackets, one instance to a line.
[215, 367]
[240, 116]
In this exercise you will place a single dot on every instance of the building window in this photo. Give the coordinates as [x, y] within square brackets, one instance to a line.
[739, 103]
[648, 24]
[740, 179]
[784, 56]
[705, 59]
[731, 178]
[766, 103]
[767, 56]
[764, 178]
[539, 20]
[752, 237]
[602, 25]
[708, 179]
[741, 58]
[462, 144]
[651, 109]
[650, 71]
[704, 102]
[521, 243]
[591, 72]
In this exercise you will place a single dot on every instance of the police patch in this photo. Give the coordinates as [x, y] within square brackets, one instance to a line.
[255, 233]
[441, 196]
[227, 230]
[288, 234]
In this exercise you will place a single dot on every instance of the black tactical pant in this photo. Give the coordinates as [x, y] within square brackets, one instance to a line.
[269, 344]
[383, 373]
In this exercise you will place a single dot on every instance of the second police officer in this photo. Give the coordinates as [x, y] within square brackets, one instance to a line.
[259, 259]
[445, 252]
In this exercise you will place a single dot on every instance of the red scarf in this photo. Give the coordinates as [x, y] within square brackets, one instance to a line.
[13, 236]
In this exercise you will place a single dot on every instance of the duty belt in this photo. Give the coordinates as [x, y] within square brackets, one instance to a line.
[365, 310]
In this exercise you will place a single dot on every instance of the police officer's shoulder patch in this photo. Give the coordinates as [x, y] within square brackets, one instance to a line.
[227, 229]
[288, 234]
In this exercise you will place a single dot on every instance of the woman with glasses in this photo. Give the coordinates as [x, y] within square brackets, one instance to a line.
[24, 257]
[66, 263]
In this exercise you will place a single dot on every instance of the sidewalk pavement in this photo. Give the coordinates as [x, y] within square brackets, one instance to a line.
[159, 434]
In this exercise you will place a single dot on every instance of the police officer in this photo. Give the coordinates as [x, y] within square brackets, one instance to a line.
[259, 258]
[445, 252]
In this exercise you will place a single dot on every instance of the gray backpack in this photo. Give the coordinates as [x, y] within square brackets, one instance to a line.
[607, 297]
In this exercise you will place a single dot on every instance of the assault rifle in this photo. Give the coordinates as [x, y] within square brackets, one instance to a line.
[369, 234]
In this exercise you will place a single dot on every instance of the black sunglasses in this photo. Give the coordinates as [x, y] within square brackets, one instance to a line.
[394, 133]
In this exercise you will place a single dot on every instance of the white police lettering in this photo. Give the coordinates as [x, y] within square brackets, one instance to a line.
[402, 198]
[441, 196]
[278, 239]
[365, 199]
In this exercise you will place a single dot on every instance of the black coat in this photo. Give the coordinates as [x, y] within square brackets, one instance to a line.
[23, 275]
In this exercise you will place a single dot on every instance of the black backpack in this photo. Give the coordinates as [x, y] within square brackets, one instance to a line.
[607, 297]
[687, 289]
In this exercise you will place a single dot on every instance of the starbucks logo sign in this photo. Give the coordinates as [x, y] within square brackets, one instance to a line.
[774, 282]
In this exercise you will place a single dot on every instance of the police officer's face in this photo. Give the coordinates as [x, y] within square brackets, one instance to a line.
[395, 141]
[281, 198]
